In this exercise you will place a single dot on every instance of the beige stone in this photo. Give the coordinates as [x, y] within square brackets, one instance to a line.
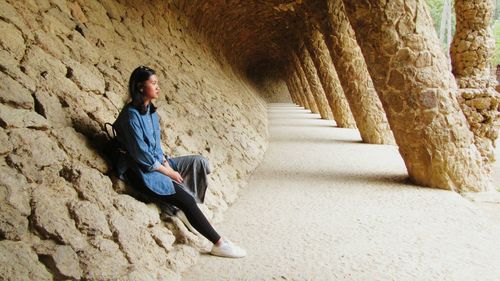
[471, 52]
[314, 83]
[304, 84]
[329, 79]
[434, 159]
[21, 118]
[103, 260]
[11, 67]
[19, 262]
[12, 39]
[89, 219]
[14, 93]
[353, 74]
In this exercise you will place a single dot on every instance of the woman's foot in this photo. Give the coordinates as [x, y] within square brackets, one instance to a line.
[227, 249]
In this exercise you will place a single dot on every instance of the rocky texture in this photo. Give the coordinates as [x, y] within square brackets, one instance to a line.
[295, 82]
[415, 84]
[471, 51]
[353, 74]
[272, 87]
[304, 84]
[329, 79]
[64, 66]
[314, 83]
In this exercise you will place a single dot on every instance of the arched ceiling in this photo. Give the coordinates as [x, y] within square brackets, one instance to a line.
[250, 33]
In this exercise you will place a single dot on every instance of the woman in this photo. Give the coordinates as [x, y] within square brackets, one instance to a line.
[146, 167]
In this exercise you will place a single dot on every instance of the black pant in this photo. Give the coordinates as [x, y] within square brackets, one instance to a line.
[182, 200]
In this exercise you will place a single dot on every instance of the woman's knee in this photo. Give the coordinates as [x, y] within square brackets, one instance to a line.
[202, 161]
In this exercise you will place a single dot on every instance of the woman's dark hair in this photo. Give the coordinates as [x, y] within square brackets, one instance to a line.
[135, 86]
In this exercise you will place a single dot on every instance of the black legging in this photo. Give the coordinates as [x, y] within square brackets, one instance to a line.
[182, 200]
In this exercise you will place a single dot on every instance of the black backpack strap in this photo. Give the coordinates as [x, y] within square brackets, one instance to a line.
[111, 134]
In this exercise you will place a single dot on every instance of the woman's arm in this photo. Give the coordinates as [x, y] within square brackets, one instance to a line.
[169, 172]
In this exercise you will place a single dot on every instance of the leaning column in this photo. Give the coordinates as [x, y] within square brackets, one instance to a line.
[353, 75]
[329, 79]
[293, 90]
[471, 52]
[304, 84]
[413, 80]
[314, 83]
[302, 96]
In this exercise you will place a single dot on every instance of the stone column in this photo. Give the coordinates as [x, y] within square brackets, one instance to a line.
[300, 92]
[353, 75]
[328, 76]
[471, 52]
[304, 84]
[314, 83]
[413, 80]
[292, 90]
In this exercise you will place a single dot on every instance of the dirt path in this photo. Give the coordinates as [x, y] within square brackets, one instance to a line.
[324, 206]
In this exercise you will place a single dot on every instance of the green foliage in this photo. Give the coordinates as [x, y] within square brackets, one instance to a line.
[436, 9]
[496, 32]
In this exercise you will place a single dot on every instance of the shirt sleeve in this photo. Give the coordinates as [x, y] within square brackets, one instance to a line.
[137, 146]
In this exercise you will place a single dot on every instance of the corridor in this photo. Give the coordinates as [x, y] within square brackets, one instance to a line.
[325, 206]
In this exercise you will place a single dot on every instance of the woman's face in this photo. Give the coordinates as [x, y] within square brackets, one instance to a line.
[151, 89]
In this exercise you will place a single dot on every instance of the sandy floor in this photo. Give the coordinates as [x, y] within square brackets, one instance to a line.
[324, 206]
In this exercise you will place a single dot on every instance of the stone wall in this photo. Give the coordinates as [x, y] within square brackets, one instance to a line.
[64, 66]
[274, 90]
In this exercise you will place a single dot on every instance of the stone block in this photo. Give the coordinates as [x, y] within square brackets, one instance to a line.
[87, 77]
[12, 39]
[92, 185]
[63, 262]
[11, 67]
[52, 219]
[89, 219]
[43, 67]
[136, 211]
[9, 14]
[13, 225]
[51, 44]
[82, 50]
[34, 150]
[49, 106]
[19, 262]
[163, 237]
[80, 147]
[103, 260]
[14, 93]
[137, 243]
[21, 118]
[6, 146]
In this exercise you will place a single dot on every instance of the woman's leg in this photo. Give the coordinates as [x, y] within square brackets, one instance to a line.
[184, 201]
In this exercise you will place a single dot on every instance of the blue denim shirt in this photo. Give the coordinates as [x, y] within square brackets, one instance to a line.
[140, 135]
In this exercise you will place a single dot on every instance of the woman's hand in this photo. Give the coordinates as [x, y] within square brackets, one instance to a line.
[169, 172]
[175, 176]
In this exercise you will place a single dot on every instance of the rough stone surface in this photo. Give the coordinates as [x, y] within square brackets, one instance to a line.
[365, 105]
[64, 68]
[304, 84]
[329, 79]
[429, 127]
[295, 83]
[471, 52]
[314, 83]
[19, 262]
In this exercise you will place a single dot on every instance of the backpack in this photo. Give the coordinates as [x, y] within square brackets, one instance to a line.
[113, 149]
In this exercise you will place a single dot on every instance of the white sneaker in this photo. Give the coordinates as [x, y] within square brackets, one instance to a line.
[228, 250]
